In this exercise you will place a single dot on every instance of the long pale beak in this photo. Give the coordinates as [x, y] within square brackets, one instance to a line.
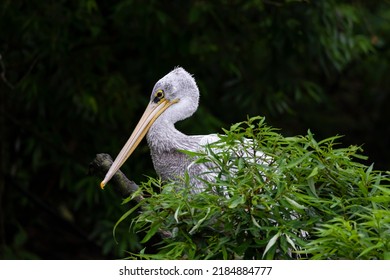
[152, 112]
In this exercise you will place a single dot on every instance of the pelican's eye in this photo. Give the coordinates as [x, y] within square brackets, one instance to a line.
[158, 96]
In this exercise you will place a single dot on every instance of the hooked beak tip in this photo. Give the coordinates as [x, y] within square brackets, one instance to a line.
[102, 185]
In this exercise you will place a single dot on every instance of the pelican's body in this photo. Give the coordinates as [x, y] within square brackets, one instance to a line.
[172, 164]
[174, 97]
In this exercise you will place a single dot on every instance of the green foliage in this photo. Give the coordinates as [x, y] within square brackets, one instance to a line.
[304, 199]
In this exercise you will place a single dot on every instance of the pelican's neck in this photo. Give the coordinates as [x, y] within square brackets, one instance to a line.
[164, 137]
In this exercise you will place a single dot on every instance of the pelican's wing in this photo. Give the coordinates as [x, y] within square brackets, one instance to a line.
[208, 139]
[210, 169]
[245, 148]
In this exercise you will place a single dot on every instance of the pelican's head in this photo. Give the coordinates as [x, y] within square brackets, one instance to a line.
[174, 97]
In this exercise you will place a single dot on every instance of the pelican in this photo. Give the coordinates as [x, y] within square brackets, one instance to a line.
[174, 97]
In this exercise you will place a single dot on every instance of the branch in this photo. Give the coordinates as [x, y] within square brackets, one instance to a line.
[121, 184]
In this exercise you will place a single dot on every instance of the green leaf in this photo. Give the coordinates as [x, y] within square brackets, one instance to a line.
[297, 161]
[290, 242]
[271, 243]
[124, 216]
[255, 222]
[198, 224]
[313, 173]
[294, 203]
[176, 214]
[379, 245]
[151, 232]
[312, 187]
[236, 201]
[235, 126]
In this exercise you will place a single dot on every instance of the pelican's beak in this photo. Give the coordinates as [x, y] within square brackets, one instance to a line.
[152, 112]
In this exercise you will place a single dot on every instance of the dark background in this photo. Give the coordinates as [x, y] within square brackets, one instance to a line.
[76, 76]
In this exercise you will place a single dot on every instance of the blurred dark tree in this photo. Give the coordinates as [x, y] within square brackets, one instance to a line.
[76, 75]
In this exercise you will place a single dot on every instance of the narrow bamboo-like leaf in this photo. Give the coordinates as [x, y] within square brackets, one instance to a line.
[294, 203]
[360, 156]
[313, 173]
[191, 153]
[290, 242]
[152, 231]
[124, 216]
[384, 190]
[224, 252]
[177, 214]
[312, 187]
[379, 245]
[235, 126]
[330, 139]
[130, 198]
[311, 139]
[298, 160]
[255, 222]
[193, 230]
[369, 170]
[271, 243]
[236, 201]
[379, 199]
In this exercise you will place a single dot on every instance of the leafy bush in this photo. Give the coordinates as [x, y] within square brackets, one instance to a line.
[304, 199]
